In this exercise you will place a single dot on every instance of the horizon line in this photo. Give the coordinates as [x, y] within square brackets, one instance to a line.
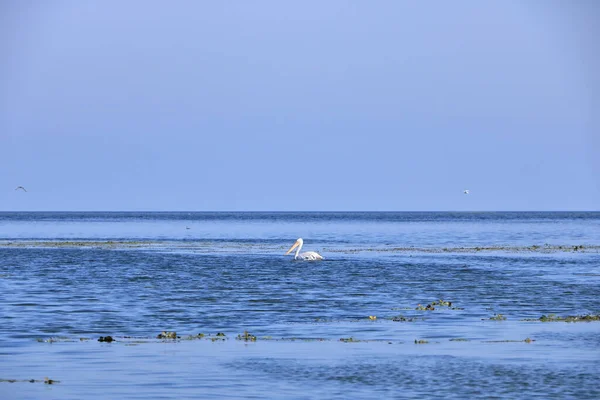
[296, 211]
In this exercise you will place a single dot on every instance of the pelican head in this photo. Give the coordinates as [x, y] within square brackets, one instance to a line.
[299, 242]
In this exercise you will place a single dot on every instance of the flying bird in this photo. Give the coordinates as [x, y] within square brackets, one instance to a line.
[306, 256]
[21, 187]
[466, 191]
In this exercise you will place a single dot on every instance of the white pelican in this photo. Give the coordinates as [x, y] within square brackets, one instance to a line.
[307, 255]
[466, 191]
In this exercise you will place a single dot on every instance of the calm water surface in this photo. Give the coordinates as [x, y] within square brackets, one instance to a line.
[71, 276]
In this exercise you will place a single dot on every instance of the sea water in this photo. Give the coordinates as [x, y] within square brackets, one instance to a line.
[253, 323]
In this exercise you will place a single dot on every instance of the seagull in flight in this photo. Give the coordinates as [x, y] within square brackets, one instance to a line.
[21, 187]
[466, 191]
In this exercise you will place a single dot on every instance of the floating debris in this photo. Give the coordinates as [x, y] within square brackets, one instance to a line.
[55, 339]
[77, 244]
[437, 303]
[442, 303]
[195, 337]
[402, 318]
[372, 317]
[429, 307]
[527, 340]
[219, 336]
[237, 248]
[570, 318]
[246, 337]
[477, 249]
[498, 317]
[349, 340]
[167, 335]
[46, 380]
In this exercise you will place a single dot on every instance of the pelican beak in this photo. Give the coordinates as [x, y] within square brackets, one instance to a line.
[293, 247]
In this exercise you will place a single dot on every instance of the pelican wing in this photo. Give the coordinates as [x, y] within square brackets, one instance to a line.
[310, 256]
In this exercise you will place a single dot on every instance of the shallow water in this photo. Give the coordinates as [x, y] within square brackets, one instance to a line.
[66, 276]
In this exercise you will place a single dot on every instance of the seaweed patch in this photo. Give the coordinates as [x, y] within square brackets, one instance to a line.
[349, 340]
[46, 381]
[569, 318]
[247, 337]
[167, 335]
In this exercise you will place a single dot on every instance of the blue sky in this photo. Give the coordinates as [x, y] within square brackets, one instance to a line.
[305, 105]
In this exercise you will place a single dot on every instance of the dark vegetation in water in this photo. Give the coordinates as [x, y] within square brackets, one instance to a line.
[167, 335]
[437, 303]
[234, 247]
[192, 337]
[527, 340]
[570, 318]
[546, 248]
[428, 307]
[46, 381]
[76, 244]
[402, 318]
[248, 337]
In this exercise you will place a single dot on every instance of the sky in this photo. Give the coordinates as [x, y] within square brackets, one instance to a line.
[299, 105]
